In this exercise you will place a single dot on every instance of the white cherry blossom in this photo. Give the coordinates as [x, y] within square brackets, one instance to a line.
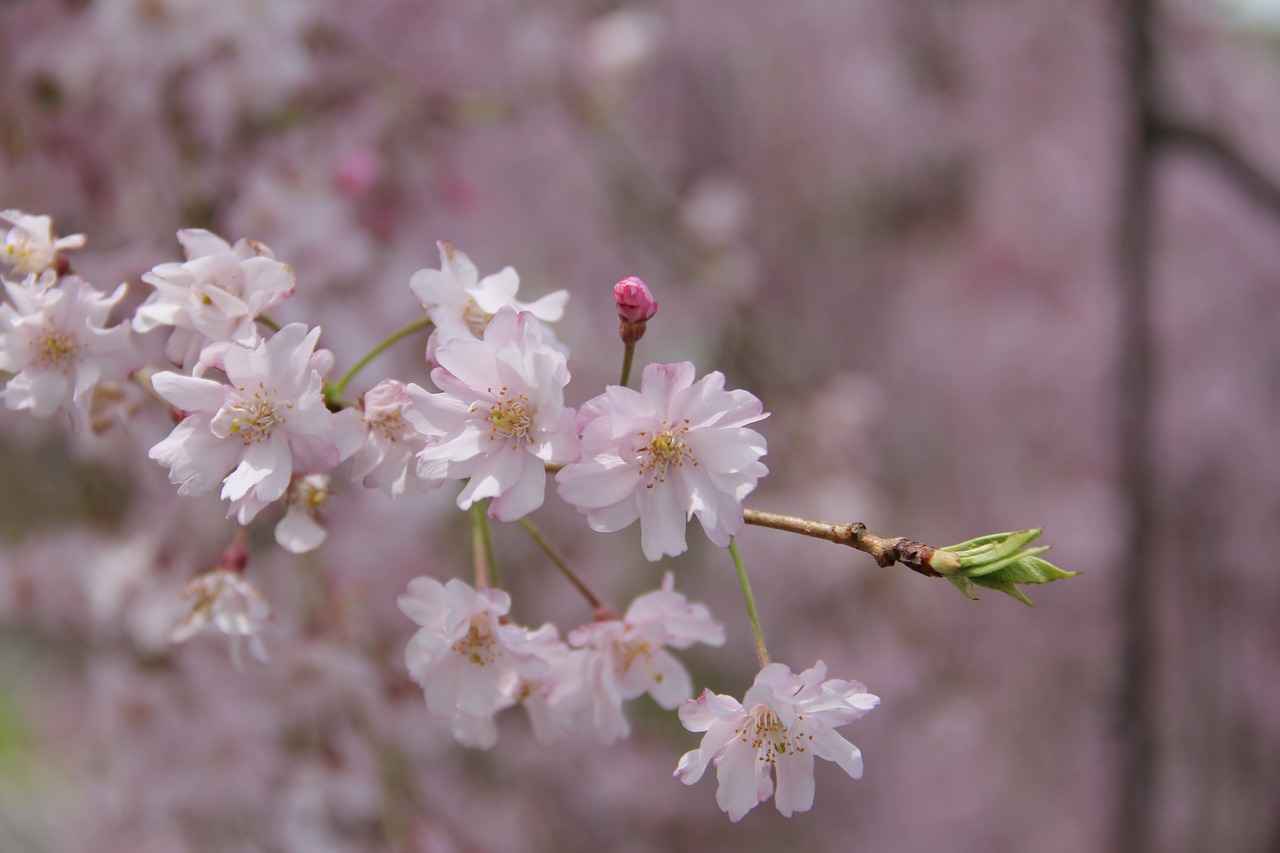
[253, 433]
[389, 443]
[465, 654]
[461, 304]
[54, 341]
[29, 246]
[216, 295]
[499, 416]
[672, 450]
[771, 738]
[628, 657]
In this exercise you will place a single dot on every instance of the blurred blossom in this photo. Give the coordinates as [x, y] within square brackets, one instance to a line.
[224, 599]
[618, 43]
[55, 344]
[29, 246]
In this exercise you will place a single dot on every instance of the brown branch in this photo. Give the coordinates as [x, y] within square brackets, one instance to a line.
[925, 559]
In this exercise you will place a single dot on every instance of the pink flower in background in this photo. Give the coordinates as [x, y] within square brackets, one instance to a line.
[772, 737]
[231, 604]
[217, 295]
[674, 449]
[500, 416]
[464, 653]
[54, 341]
[269, 422]
[30, 246]
[461, 304]
[628, 657]
[389, 442]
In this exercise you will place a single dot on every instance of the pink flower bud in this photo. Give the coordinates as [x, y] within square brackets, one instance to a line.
[635, 303]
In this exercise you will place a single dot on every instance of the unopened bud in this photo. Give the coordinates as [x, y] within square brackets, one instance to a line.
[635, 303]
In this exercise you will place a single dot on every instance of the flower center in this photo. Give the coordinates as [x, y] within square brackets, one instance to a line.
[391, 424]
[663, 451]
[476, 318]
[478, 645]
[55, 348]
[510, 417]
[767, 735]
[629, 653]
[256, 415]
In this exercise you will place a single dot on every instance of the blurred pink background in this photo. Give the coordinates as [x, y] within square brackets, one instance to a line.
[981, 280]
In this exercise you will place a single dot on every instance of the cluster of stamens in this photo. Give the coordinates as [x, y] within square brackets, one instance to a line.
[478, 645]
[392, 424]
[663, 451]
[510, 417]
[637, 650]
[476, 318]
[259, 415]
[55, 347]
[765, 733]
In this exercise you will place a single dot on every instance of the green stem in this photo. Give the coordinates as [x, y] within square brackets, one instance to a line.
[762, 654]
[268, 322]
[482, 547]
[335, 390]
[562, 564]
[628, 355]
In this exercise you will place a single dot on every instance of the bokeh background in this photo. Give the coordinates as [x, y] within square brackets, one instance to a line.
[990, 265]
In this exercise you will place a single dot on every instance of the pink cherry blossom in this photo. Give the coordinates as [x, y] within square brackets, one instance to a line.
[54, 340]
[628, 657]
[772, 737]
[461, 304]
[269, 422]
[300, 530]
[674, 449]
[464, 654]
[389, 442]
[499, 416]
[217, 295]
[224, 599]
[30, 246]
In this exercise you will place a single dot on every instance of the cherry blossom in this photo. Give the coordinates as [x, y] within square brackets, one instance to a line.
[224, 599]
[628, 657]
[389, 443]
[217, 295]
[675, 449]
[772, 737]
[30, 246]
[499, 416]
[634, 301]
[53, 338]
[464, 654]
[267, 424]
[461, 304]
[300, 530]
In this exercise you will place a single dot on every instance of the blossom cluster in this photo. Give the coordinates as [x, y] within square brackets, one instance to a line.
[257, 417]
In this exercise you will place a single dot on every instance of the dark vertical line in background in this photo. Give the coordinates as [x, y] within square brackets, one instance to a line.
[1135, 699]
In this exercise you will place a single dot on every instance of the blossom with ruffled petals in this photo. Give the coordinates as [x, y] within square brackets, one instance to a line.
[217, 295]
[461, 304]
[672, 450]
[499, 416]
[628, 657]
[30, 246]
[772, 737]
[54, 340]
[389, 443]
[464, 654]
[269, 422]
